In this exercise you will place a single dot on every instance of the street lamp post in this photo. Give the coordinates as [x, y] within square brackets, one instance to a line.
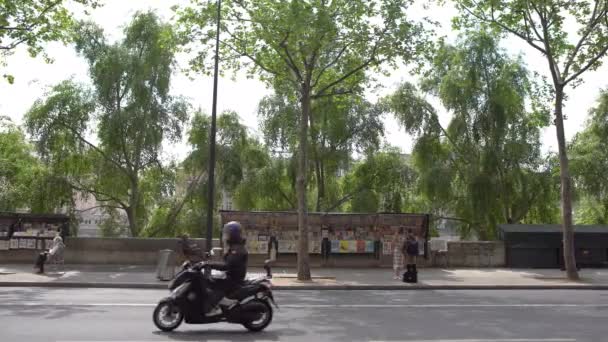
[211, 166]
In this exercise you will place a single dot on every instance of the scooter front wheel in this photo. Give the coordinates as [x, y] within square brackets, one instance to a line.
[167, 316]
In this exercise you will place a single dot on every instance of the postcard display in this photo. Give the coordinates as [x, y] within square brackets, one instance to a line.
[28, 236]
[348, 233]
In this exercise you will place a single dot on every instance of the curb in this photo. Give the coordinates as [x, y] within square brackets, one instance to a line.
[162, 286]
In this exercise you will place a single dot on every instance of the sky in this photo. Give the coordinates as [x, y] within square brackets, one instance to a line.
[33, 77]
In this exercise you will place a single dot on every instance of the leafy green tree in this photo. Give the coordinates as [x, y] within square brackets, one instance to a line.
[33, 23]
[105, 139]
[313, 48]
[589, 152]
[339, 126]
[572, 36]
[240, 159]
[485, 165]
[382, 182]
[25, 181]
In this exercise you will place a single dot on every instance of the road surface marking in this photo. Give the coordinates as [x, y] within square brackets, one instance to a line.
[494, 340]
[440, 340]
[338, 306]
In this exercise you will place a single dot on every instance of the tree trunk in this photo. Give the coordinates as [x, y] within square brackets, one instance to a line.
[317, 160]
[132, 212]
[322, 186]
[319, 178]
[132, 221]
[303, 257]
[569, 255]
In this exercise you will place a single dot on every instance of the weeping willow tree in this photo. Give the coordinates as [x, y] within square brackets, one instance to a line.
[383, 181]
[485, 166]
[240, 158]
[339, 126]
[589, 153]
[102, 140]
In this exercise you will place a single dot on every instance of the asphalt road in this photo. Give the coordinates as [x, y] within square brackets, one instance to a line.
[41, 314]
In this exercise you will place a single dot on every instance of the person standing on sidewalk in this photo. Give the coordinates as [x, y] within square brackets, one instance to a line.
[410, 251]
[397, 243]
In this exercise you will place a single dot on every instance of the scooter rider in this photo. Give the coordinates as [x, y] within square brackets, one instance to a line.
[235, 266]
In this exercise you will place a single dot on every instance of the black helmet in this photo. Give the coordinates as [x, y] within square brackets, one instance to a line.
[232, 232]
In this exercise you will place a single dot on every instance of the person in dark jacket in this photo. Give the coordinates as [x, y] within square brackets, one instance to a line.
[410, 251]
[234, 264]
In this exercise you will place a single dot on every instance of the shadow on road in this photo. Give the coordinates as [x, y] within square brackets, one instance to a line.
[49, 312]
[232, 335]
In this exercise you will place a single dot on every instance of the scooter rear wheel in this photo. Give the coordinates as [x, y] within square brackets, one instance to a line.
[167, 317]
[264, 320]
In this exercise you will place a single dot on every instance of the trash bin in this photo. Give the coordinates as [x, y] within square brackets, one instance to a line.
[165, 270]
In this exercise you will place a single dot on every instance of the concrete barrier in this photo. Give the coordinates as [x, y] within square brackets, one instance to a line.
[106, 251]
[476, 254]
[139, 251]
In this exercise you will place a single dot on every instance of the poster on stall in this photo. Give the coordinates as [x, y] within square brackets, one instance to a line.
[360, 246]
[4, 244]
[352, 246]
[14, 244]
[335, 246]
[23, 243]
[314, 247]
[30, 244]
[252, 246]
[343, 246]
[369, 246]
[287, 246]
[387, 248]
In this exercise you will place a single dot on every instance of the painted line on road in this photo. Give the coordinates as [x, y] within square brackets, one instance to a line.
[440, 340]
[329, 306]
[494, 340]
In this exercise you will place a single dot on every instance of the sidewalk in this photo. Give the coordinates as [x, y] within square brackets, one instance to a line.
[323, 278]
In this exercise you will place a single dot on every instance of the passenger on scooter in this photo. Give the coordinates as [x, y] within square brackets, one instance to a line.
[235, 266]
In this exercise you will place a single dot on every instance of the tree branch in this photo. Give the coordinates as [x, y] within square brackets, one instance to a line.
[371, 59]
[493, 19]
[99, 206]
[588, 65]
[97, 194]
[334, 93]
[27, 28]
[286, 197]
[329, 65]
[555, 73]
[341, 79]
[97, 149]
[253, 59]
[290, 62]
[593, 21]
[346, 198]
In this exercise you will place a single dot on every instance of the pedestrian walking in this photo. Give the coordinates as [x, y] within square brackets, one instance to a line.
[397, 243]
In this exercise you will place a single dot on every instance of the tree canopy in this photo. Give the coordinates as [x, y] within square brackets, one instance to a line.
[128, 111]
[485, 165]
[33, 23]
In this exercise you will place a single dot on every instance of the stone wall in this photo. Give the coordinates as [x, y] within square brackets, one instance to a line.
[106, 251]
[475, 254]
[135, 251]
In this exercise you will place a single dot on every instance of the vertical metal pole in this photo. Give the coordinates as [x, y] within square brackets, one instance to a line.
[211, 173]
